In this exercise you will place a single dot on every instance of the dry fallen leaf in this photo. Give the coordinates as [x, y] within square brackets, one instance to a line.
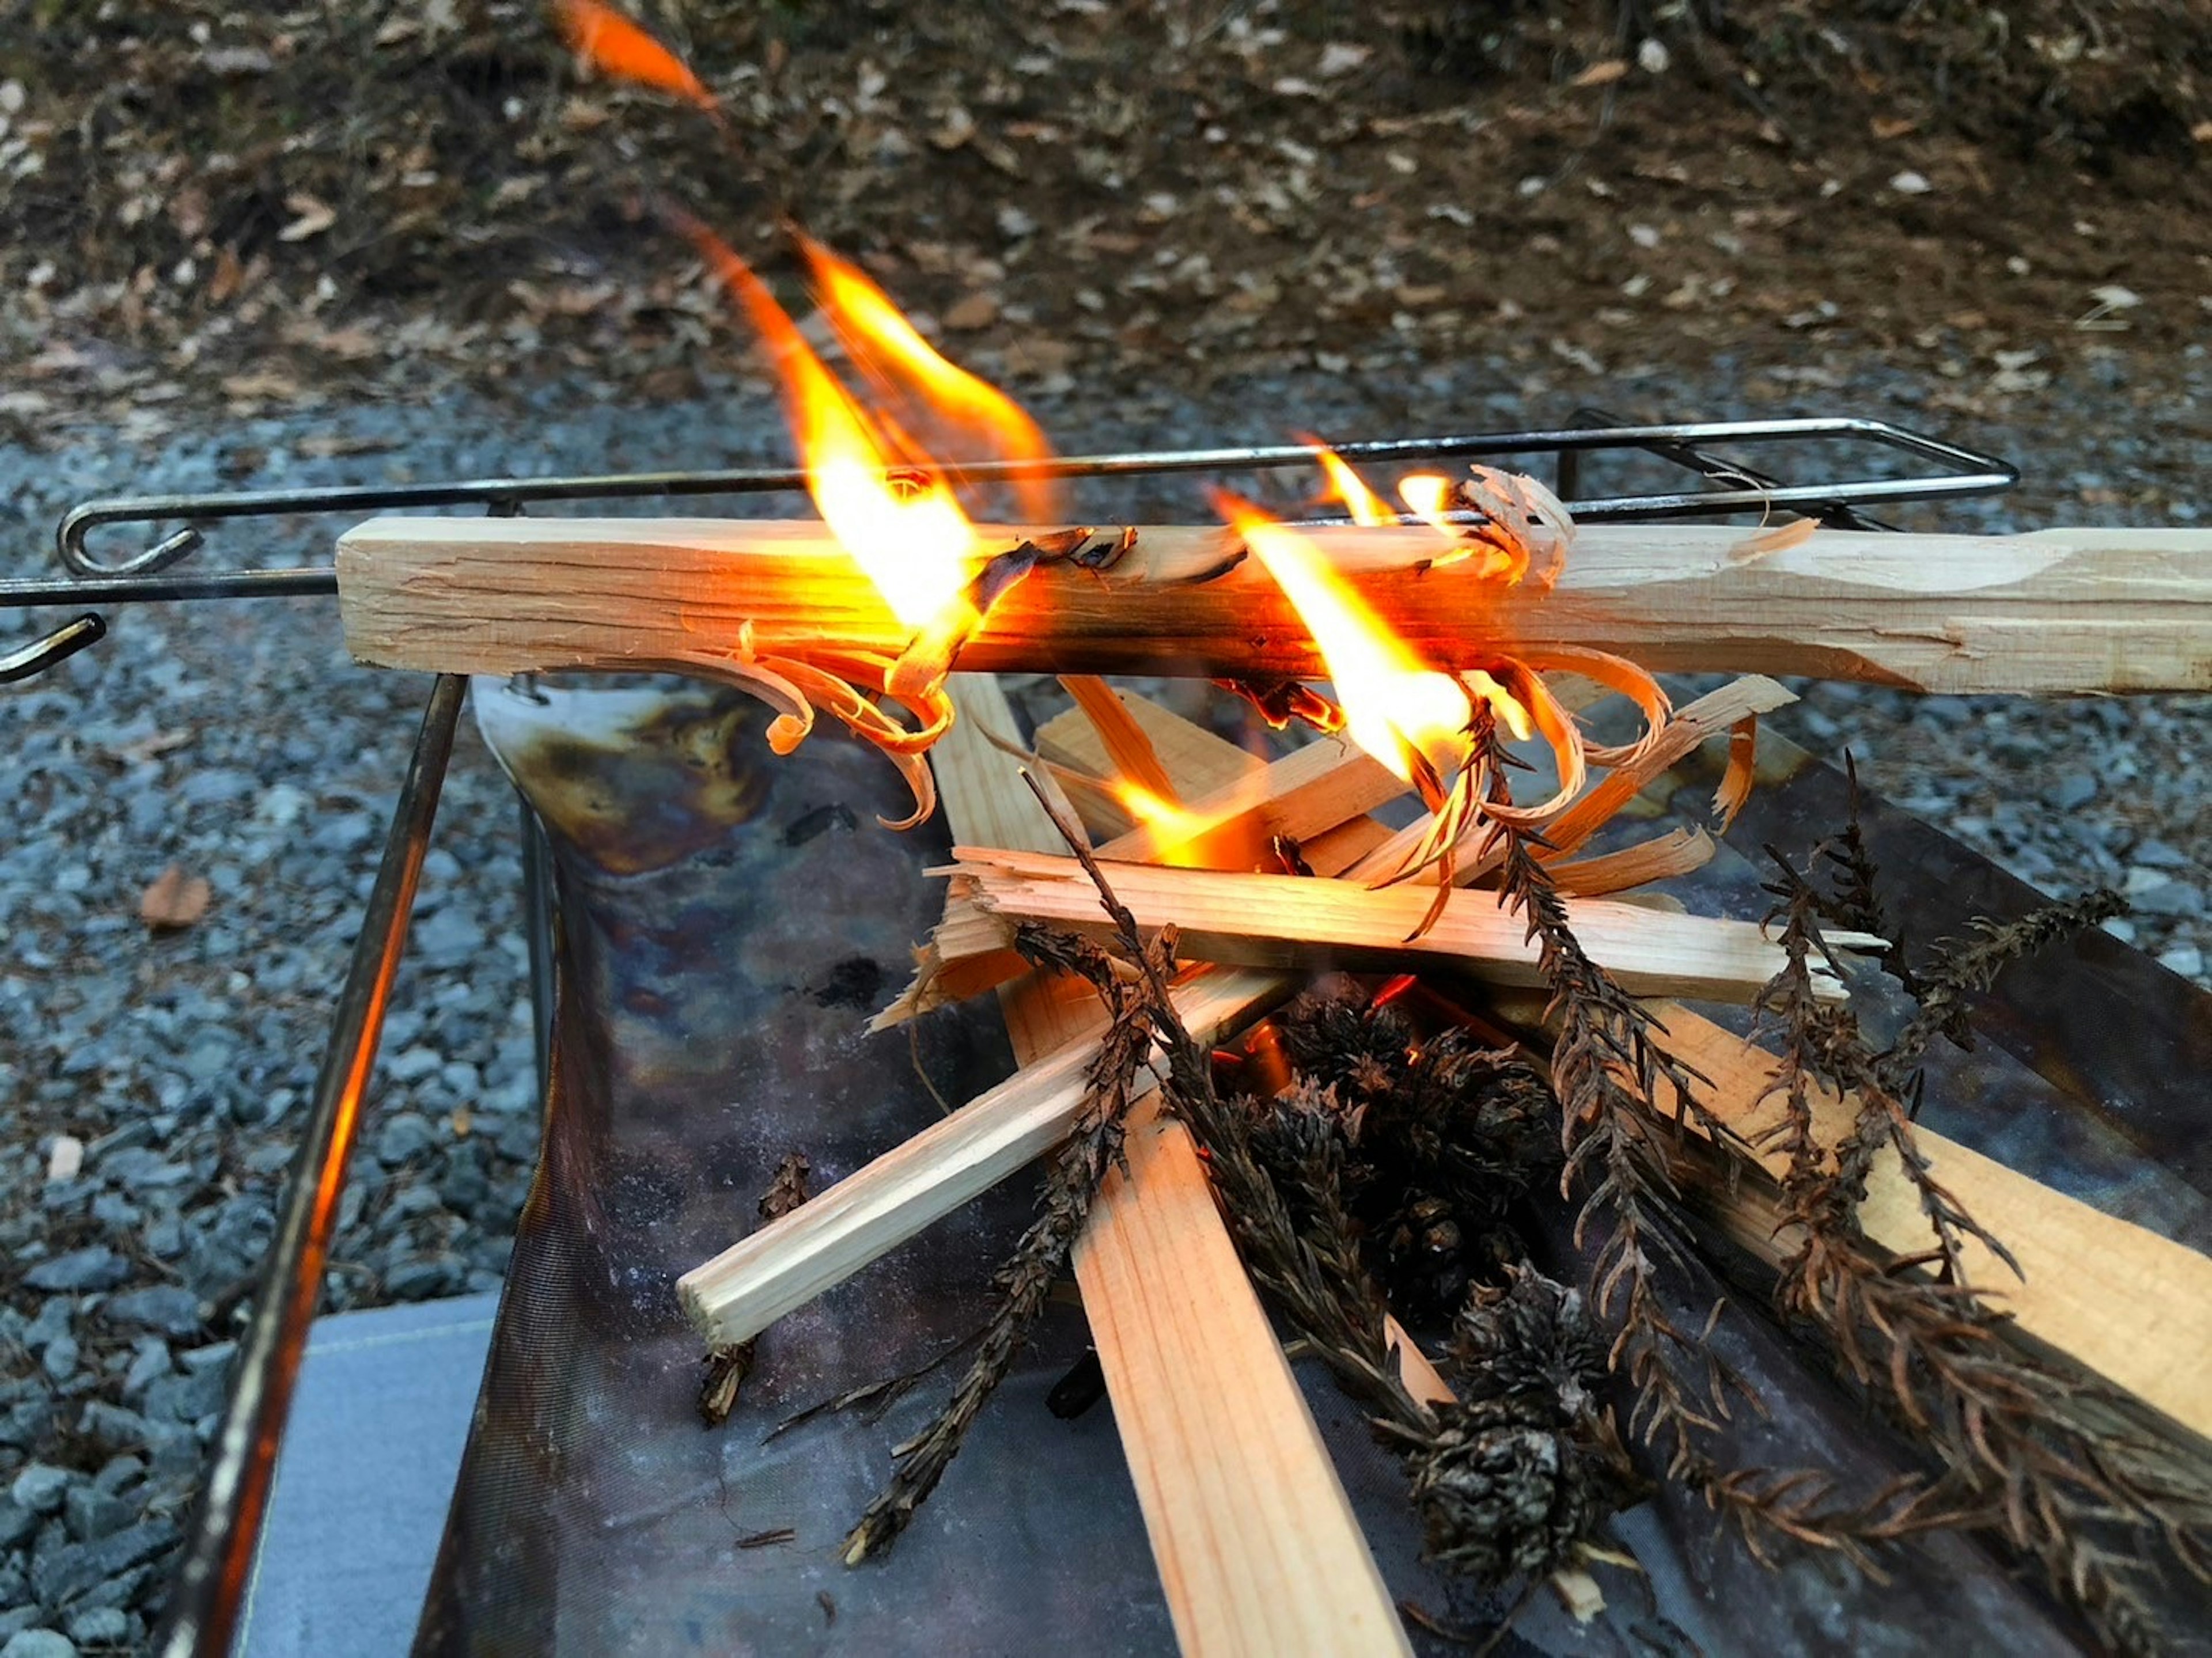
[141, 748]
[1603, 73]
[315, 217]
[976, 311]
[175, 899]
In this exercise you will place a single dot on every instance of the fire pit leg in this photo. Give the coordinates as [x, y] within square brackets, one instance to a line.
[227, 1525]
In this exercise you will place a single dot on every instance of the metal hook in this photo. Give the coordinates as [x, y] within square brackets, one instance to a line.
[40, 654]
[160, 556]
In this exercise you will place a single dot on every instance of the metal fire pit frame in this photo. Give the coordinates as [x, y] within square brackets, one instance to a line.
[226, 1524]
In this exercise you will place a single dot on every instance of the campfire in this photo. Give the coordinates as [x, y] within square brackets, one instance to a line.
[1153, 907]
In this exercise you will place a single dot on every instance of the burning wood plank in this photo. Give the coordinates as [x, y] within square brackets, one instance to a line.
[1275, 921]
[2058, 610]
[1274, 800]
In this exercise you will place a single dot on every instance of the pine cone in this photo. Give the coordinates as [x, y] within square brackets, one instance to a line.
[1501, 1493]
[1532, 1342]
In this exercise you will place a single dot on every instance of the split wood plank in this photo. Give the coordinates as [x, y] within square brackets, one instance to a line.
[2133, 1306]
[1258, 1548]
[1070, 741]
[1283, 921]
[2058, 610]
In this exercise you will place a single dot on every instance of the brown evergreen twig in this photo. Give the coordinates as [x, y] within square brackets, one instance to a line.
[728, 1368]
[1071, 1183]
[2049, 1458]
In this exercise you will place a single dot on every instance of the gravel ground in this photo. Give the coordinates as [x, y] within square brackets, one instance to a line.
[237, 743]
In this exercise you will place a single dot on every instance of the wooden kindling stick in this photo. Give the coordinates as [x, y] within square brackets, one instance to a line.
[2058, 610]
[1258, 1548]
[1214, 1427]
[1283, 920]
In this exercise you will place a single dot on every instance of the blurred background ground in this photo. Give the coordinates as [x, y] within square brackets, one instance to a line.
[333, 244]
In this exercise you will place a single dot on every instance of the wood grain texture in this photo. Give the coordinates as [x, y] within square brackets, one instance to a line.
[2058, 610]
[1288, 922]
[2132, 1306]
[1257, 1546]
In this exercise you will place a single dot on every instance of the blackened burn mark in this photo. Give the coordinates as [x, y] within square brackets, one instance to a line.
[808, 824]
[856, 981]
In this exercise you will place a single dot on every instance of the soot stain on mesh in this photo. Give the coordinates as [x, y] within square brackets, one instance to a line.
[687, 760]
[856, 981]
[820, 820]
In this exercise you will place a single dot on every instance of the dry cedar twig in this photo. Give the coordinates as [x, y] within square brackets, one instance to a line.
[1961, 967]
[1606, 1071]
[2041, 1453]
[1507, 1478]
[1039, 1258]
[728, 1367]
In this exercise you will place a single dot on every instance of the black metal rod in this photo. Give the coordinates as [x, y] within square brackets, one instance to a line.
[34, 658]
[226, 1526]
[1975, 473]
[145, 576]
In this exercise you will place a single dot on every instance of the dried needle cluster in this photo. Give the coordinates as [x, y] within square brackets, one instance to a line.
[1040, 1258]
[1614, 1085]
[728, 1367]
[1524, 1463]
[2061, 1466]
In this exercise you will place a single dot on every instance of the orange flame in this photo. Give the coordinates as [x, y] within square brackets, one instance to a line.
[1427, 496]
[904, 367]
[611, 43]
[1347, 486]
[1395, 707]
[909, 536]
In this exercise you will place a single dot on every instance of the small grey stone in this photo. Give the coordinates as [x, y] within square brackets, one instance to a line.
[167, 1308]
[67, 1573]
[116, 1472]
[215, 785]
[451, 937]
[413, 1064]
[113, 1426]
[142, 1169]
[100, 1626]
[214, 1356]
[24, 1425]
[149, 1364]
[97, 1267]
[41, 1487]
[118, 1591]
[17, 1619]
[2187, 960]
[186, 1397]
[419, 1277]
[2174, 898]
[407, 1135]
[38, 1643]
[16, 1522]
[90, 1512]
[2076, 788]
[2157, 854]
[54, 1322]
[60, 1358]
